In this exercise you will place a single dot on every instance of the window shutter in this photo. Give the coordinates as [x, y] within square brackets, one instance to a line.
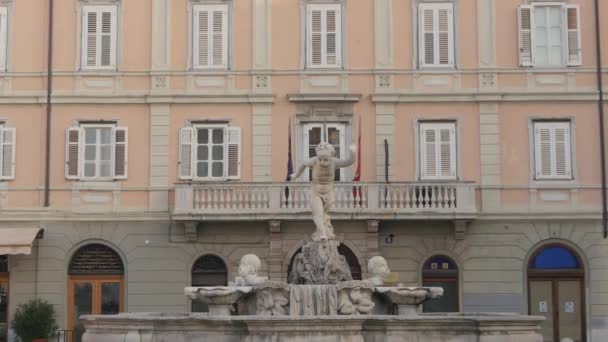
[436, 35]
[99, 37]
[8, 136]
[563, 160]
[428, 156]
[121, 152]
[3, 37]
[210, 30]
[234, 152]
[525, 21]
[72, 153]
[186, 135]
[573, 24]
[543, 151]
[447, 151]
[324, 41]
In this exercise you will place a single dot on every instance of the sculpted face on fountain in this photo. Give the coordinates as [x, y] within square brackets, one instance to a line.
[248, 271]
[379, 270]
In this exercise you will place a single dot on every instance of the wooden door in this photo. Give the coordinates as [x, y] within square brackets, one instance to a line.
[92, 295]
[560, 301]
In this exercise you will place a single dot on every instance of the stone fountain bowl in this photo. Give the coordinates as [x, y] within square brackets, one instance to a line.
[217, 295]
[410, 295]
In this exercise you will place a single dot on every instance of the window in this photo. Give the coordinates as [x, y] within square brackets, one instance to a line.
[3, 37]
[7, 152]
[552, 150]
[435, 35]
[96, 152]
[549, 35]
[210, 37]
[333, 133]
[438, 151]
[98, 37]
[324, 36]
[208, 270]
[210, 152]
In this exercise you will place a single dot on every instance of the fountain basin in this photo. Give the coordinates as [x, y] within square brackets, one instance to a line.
[221, 299]
[151, 327]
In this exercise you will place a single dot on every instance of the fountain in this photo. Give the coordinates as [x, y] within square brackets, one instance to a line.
[321, 302]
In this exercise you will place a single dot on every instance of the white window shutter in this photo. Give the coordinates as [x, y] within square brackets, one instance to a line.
[573, 30]
[333, 36]
[436, 35]
[186, 138]
[315, 50]
[200, 31]
[234, 153]
[99, 37]
[7, 154]
[428, 153]
[72, 153]
[447, 151]
[210, 36]
[563, 168]
[445, 36]
[3, 37]
[121, 152]
[426, 39]
[220, 38]
[438, 151]
[525, 23]
[324, 35]
[542, 144]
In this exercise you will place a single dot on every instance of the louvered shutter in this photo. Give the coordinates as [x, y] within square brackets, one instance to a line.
[7, 154]
[210, 33]
[436, 35]
[553, 156]
[234, 153]
[72, 153]
[573, 28]
[3, 37]
[438, 151]
[186, 137]
[121, 152]
[99, 37]
[525, 23]
[324, 41]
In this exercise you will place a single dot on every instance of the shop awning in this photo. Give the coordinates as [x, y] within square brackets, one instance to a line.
[17, 240]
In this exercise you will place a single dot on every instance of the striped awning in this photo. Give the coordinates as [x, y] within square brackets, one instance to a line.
[17, 240]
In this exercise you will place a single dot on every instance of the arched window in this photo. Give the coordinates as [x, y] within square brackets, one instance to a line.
[441, 271]
[95, 285]
[208, 270]
[351, 259]
[556, 291]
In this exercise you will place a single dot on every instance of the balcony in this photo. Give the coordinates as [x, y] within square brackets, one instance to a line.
[352, 201]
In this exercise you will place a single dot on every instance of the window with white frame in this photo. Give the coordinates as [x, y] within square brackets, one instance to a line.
[552, 150]
[435, 35]
[96, 152]
[99, 36]
[438, 151]
[210, 152]
[210, 36]
[8, 136]
[549, 35]
[3, 37]
[315, 133]
[323, 35]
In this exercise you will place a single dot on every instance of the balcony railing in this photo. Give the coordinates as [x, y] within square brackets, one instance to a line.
[361, 199]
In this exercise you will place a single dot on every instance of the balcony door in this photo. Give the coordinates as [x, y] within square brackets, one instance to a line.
[95, 286]
[333, 133]
[556, 291]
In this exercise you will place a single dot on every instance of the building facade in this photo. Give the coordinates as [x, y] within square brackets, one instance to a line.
[160, 156]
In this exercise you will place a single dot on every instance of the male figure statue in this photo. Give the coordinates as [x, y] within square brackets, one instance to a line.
[324, 167]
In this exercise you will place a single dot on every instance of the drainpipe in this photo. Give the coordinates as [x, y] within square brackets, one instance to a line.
[600, 88]
[49, 90]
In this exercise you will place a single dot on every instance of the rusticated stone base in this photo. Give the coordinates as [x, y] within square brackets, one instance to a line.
[157, 327]
[319, 263]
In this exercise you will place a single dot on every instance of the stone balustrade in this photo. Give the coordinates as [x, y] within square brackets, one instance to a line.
[289, 199]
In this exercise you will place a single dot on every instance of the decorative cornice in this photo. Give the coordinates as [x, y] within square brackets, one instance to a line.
[324, 97]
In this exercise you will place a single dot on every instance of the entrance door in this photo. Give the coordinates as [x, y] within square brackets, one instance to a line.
[101, 295]
[556, 291]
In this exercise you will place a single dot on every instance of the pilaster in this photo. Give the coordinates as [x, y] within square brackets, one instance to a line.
[385, 126]
[262, 149]
[275, 259]
[372, 238]
[383, 32]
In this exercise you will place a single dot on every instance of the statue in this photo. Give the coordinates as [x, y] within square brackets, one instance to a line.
[248, 271]
[378, 268]
[324, 167]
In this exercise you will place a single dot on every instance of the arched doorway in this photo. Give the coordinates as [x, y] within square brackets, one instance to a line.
[349, 255]
[4, 281]
[441, 271]
[208, 270]
[95, 285]
[556, 290]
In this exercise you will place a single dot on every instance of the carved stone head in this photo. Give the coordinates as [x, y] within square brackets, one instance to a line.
[378, 269]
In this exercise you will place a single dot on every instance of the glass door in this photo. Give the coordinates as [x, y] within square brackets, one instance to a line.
[92, 296]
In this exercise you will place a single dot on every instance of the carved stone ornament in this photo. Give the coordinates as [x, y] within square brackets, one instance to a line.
[355, 297]
[272, 299]
[319, 263]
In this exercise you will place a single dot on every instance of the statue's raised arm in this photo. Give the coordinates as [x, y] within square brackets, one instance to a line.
[350, 160]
